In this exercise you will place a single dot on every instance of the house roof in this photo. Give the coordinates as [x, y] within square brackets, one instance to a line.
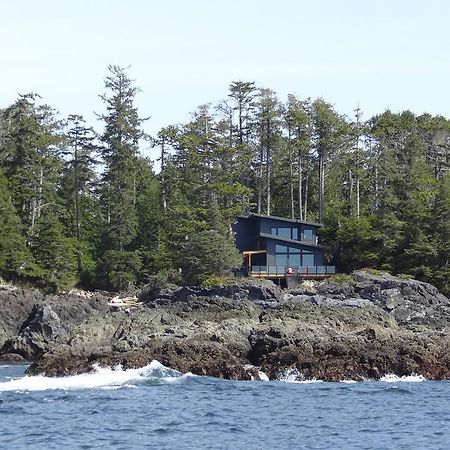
[284, 219]
[292, 241]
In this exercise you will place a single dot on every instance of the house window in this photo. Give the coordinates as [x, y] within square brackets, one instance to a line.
[308, 235]
[287, 256]
[281, 260]
[294, 261]
[307, 258]
[284, 232]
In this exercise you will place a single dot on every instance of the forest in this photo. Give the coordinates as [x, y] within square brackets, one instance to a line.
[86, 209]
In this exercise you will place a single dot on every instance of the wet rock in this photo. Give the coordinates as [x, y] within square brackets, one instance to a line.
[374, 326]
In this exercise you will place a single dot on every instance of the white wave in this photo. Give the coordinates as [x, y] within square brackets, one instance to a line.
[391, 378]
[348, 381]
[102, 377]
[310, 381]
[293, 375]
[263, 376]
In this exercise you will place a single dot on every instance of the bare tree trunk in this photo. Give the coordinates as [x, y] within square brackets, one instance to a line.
[40, 192]
[77, 209]
[306, 197]
[300, 185]
[350, 192]
[163, 186]
[377, 205]
[357, 184]
[321, 185]
[260, 175]
[268, 172]
[291, 176]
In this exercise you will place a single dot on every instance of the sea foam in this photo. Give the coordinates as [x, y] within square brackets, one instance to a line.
[101, 377]
[391, 378]
[293, 375]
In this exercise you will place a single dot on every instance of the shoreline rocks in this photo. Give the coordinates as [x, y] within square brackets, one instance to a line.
[366, 327]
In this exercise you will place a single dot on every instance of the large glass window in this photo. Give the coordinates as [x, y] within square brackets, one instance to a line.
[307, 258]
[308, 235]
[285, 232]
[281, 260]
[288, 256]
[294, 261]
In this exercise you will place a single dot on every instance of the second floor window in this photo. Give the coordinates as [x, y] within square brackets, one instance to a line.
[285, 232]
[308, 235]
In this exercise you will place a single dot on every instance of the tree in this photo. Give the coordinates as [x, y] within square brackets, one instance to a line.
[16, 260]
[30, 157]
[206, 255]
[54, 252]
[120, 137]
[268, 119]
[78, 183]
[327, 137]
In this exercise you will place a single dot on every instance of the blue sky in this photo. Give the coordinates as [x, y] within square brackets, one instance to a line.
[383, 54]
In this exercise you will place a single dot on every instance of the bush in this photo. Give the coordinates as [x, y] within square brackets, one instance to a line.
[118, 270]
[208, 254]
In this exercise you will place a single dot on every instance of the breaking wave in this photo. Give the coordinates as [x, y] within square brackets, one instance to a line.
[391, 378]
[293, 375]
[101, 377]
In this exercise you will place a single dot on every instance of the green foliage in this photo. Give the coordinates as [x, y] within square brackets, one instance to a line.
[120, 138]
[343, 278]
[16, 261]
[207, 254]
[118, 270]
[55, 253]
[357, 244]
[71, 213]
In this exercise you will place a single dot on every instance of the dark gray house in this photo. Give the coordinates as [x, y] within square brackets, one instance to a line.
[276, 247]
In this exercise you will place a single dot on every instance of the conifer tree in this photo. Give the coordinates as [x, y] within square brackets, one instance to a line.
[78, 186]
[31, 157]
[16, 261]
[121, 135]
[54, 252]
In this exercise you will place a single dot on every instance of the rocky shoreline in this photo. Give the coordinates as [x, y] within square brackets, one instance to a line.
[363, 326]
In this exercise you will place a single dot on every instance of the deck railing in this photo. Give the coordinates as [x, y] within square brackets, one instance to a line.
[283, 270]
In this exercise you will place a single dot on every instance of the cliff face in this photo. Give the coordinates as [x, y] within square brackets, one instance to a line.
[364, 328]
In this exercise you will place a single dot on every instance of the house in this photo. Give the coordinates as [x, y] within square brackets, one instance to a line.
[279, 248]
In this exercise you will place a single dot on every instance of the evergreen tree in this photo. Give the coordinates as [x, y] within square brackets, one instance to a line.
[54, 252]
[77, 189]
[30, 158]
[120, 138]
[16, 261]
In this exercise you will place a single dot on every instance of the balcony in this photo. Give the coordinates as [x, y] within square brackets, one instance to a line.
[282, 271]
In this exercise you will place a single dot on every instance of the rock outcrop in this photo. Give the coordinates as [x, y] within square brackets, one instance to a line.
[365, 327]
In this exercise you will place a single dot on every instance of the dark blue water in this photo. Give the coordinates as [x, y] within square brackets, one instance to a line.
[156, 408]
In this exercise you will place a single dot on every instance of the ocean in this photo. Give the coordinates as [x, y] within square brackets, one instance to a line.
[159, 408]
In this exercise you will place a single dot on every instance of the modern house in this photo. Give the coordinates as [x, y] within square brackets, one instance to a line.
[279, 248]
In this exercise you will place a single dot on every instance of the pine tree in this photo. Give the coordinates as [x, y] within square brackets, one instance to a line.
[120, 138]
[78, 186]
[54, 252]
[16, 261]
[30, 158]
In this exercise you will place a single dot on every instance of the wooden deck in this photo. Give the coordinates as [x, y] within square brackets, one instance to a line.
[282, 272]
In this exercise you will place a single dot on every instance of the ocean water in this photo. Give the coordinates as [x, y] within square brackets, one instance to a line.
[158, 408]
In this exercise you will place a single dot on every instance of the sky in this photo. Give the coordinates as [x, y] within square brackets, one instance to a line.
[182, 54]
